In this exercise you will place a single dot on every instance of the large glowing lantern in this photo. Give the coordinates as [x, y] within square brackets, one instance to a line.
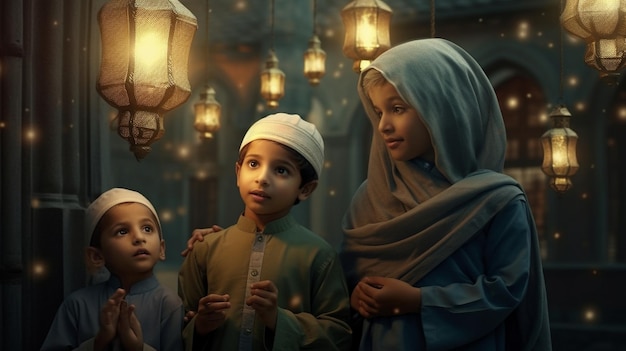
[143, 73]
[602, 24]
[366, 23]
[559, 150]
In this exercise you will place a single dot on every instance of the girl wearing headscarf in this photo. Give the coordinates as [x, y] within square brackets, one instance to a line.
[440, 247]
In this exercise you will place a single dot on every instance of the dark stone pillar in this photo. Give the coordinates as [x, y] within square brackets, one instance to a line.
[12, 206]
[53, 244]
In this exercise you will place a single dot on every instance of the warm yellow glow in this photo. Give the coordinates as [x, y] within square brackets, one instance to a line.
[150, 48]
[272, 81]
[183, 151]
[295, 301]
[559, 150]
[241, 5]
[590, 315]
[621, 113]
[512, 102]
[557, 235]
[39, 269]
[31, 134]
[366, 38]
[166, 216]
[366, 24]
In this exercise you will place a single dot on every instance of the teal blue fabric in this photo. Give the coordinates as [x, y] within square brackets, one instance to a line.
[158, 309]
[413, 223]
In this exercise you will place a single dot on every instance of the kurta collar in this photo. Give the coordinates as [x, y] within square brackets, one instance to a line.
[280, 225]
[138, 288]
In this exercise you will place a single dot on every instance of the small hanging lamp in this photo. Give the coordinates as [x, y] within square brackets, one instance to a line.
[144, 67]
[272, 78]
[602, 24]
[366, 23]
[559, 150]
[559, 142]
[207, 112]
[272, 81]
[314, 56]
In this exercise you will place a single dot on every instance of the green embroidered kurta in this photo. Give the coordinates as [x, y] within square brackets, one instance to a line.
[312, 292]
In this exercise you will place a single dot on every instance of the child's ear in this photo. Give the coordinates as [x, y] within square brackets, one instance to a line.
[162, 252]
[307, 190]
[237, 169]
[94, 259]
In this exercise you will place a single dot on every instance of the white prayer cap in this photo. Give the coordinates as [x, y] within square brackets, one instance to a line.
[110, 198]
[292, 131]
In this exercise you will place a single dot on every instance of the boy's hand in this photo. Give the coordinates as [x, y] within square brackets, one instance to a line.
[189, 316]
[198, 235]
[109, 317]
[263, 298]
[211, 313]
[129, 328]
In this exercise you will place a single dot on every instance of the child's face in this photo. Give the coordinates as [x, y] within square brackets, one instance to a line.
[400, 125]
[130, 242]
[269, 181]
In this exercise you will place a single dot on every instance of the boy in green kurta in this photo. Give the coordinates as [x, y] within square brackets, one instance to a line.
[268, 283]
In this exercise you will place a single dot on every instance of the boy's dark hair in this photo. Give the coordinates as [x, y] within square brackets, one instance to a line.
[307, 172]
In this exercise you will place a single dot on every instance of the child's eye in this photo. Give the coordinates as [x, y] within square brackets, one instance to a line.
[282, 171]
[121, 232]
[148, 229]
[253, 163]
[399, 109]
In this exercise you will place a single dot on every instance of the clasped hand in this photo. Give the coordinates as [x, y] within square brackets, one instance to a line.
[117, 318]
[382, 297]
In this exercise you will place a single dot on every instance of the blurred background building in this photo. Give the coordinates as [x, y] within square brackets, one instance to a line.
[58, 151]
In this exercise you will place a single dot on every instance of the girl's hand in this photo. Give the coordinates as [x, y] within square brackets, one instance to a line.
[198, 235]
[381, 297]
[263, 298]
[211, 313]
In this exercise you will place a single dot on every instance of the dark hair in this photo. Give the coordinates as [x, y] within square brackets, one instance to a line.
[307, 172]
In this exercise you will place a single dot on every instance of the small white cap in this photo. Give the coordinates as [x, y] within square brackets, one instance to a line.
[292, 131]
[110, 198]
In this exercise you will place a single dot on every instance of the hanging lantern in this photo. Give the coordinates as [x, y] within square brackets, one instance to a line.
[314, 61]
[367, 30]
[272, 81]
[602, 24]
[559, 150]
[143, 73]
[208, 112]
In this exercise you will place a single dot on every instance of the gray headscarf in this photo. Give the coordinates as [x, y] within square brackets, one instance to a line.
[404, 219]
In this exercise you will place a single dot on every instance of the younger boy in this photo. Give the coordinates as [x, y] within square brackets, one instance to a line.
[130, 311]
[268, 283]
